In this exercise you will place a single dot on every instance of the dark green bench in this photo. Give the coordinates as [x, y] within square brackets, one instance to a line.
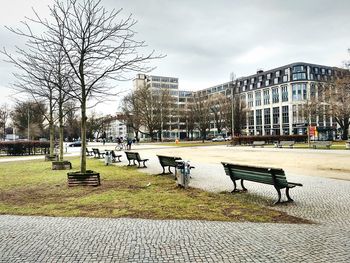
[280, 144]
[89, 153]
[97, 153]
[168, 161]
[258, 143]
[135, 156]
[115, 156]
[271, 176]
[326, 144]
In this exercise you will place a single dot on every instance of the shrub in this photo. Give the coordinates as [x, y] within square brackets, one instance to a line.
[269, 138]
[24, 147]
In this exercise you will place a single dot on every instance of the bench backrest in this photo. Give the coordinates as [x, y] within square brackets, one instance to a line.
[96, 151]
[264, 175]
[287, 142]
[133, 156]
[325, 143]
[258, 142]
[168, 160]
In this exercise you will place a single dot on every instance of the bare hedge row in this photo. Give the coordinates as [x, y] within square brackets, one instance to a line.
[24, 147]
[269, 138]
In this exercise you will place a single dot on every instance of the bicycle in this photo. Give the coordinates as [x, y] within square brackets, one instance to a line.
[120, 146]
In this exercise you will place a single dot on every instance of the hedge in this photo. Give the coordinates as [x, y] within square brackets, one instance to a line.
[269, 138]
[24, 147]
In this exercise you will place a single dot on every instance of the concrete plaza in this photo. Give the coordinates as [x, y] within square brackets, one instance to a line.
[324, 199]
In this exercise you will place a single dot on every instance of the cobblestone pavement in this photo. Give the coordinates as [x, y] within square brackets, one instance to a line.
[323, 200]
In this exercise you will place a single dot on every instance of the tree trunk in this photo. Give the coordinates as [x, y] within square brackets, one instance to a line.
[83, 137]
[52, 138]
[60, 113]
[345, 129]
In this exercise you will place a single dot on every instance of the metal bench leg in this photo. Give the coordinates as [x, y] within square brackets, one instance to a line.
[244, 189]
[279, 195]
[119, 159]
[169, 170]
[163, 170]
[144, 164]
[288, 196]
[235, 187]
[129, 163]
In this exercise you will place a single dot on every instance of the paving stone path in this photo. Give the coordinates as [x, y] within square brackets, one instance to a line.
[323, 200]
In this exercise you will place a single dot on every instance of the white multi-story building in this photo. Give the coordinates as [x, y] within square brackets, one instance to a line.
[274, 99]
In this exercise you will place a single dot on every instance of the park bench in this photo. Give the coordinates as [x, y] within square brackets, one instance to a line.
[280, 144]
[168, 161]
[264, 175]
[135, 156]
[258, 143]
[89, 153]
[326, 144]
[97, 153]
[115, 156]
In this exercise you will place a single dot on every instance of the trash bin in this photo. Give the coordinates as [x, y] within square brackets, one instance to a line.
[183, 177]
[108, 158]
[347, 145]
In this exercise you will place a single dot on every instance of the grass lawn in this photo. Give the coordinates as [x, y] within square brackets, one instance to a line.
[32, 188]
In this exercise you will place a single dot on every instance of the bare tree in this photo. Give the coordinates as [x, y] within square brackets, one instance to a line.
[132, 113]
[4, 117]
[202, 114]
[220, 107]
[339, 101]
[99, 45]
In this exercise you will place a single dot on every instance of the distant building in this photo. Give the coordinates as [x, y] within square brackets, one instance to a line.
[274, 99]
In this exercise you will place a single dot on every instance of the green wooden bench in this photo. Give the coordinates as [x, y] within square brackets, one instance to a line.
[280, 144]
[135, 156]
[89, 153]
[271, 176]
[168, 161]
[97, 153]
[115, 156]
[323, 144]
[258, 143]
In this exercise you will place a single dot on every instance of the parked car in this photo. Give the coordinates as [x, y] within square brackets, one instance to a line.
[228, 138]
[75, 144]
[218, 139]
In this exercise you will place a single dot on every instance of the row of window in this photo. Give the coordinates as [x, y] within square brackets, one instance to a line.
[162, 79]
[266, 115]
[266, 96]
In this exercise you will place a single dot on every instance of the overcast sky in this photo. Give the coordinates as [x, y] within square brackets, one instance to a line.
[207, 40]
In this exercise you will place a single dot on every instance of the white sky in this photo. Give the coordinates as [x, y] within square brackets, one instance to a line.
[207, 40]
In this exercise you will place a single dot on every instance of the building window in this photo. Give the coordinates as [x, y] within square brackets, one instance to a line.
[323, 71]
[245, 82]
[267, 82]
[266, 97]
[278, 73]
[299, 91]
[285, 114]
[284, 93]
[276, 115]
[299, 76]
[259, 85]
[298, 69]
[252, 80]
[286, 71]
[285, 78]
[316, 70]
[260, 78]
[311, 76]
[267, 116]
[251, 86]
[268, 76]
[251, 118]
[258, 117]
[275, 80]
[250, 100]
[329, 71]
[258, 98]
[275, 95]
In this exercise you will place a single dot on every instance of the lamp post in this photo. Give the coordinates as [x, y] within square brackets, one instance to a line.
[28, 135]
[233, 80]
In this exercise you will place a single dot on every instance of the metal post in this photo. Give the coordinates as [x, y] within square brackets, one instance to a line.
[28, 125]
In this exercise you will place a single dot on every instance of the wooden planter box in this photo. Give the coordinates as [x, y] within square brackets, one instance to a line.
[90, 178]
[51, 158]
[61, 165]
